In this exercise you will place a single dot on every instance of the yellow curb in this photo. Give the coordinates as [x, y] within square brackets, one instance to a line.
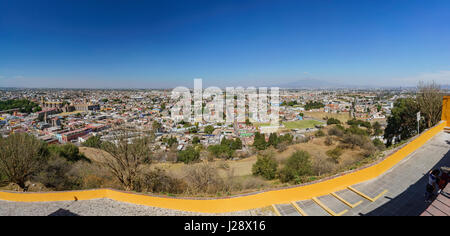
[346, 202]
[276, 210]
[300, 210]
[331, 212]
[365, 196]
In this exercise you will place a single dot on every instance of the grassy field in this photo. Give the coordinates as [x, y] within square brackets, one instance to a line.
[301, 124]
[343, 116]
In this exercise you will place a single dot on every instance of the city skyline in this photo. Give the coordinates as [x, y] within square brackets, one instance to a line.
[233, 43]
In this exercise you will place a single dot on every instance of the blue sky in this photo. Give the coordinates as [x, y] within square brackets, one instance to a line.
[151, 44]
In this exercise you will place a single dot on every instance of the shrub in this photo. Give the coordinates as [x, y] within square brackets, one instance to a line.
[354, 140]
[56, 174]
[378, 144]
[93, 142]
[336, 131]
[189, 155]
[209, 129]
[158, 181]
[21, 156]
[297, 165]
[68, 151]
[332, 121]
[335, 154]
[328, 141]
[319, 133]
[266, 166]
[259, 141]
[203, 178]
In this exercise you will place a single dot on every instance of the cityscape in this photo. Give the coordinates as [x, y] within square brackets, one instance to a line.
[333, 133]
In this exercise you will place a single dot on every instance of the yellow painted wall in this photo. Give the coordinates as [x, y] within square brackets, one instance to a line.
[240, 202]
[446, 109]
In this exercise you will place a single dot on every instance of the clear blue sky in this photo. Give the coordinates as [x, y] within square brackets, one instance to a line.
[115, 43]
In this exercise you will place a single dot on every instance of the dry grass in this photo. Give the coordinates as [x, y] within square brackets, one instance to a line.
[343, 116]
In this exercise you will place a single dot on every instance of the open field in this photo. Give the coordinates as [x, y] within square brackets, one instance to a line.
[343, 116]
[301, 124]
[298, 124]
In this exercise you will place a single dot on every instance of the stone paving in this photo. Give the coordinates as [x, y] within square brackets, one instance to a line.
[405, 184]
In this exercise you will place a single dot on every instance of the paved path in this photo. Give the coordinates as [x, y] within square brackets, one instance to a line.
[404, 183]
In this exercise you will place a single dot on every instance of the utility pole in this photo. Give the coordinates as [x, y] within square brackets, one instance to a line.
[418, 122]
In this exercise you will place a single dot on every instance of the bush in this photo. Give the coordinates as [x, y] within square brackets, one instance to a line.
[378, 144]
[57, 175]
[158, 181]
[189, 155]
[335, 154]
[319, 133]
[266, 166]
[332, 121]
[297, 165]
[21, 156]
[68, 151]
[259, 141]
[328, 141]
[209, 129]
[93, 142]
[203, 178]
[336, 131]
[354, 140]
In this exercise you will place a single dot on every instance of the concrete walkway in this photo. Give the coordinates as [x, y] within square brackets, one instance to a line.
[405, 185]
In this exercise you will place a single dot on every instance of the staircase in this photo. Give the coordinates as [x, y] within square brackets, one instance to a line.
[447, 130]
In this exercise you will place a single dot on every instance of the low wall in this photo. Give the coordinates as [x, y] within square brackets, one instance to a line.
[240, 202]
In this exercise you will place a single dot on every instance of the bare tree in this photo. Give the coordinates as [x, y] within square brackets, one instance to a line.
[20, 157]
[126, 157]
[429, 98]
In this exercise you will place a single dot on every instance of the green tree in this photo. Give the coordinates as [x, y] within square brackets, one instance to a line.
[189, 155]
[297, 166]
[377, 131]
[259, 141]
[93, 142]
[332, 121]
[209, 129]
[265, 166]
[402, 123]
[21, 156]
[273, 140]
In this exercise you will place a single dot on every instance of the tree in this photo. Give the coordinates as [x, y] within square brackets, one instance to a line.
[402, 123]
[189, 155]
[266, 166]
[93, 142]
[156, 126]
[259, 141]
[332, 121]
[196, 140]
[429, 99]
[68, 151]
[273, 140]
[377, 131]
[126, 158]
[21, 156]
[209, 129]
[298, 165]
[237, 144]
